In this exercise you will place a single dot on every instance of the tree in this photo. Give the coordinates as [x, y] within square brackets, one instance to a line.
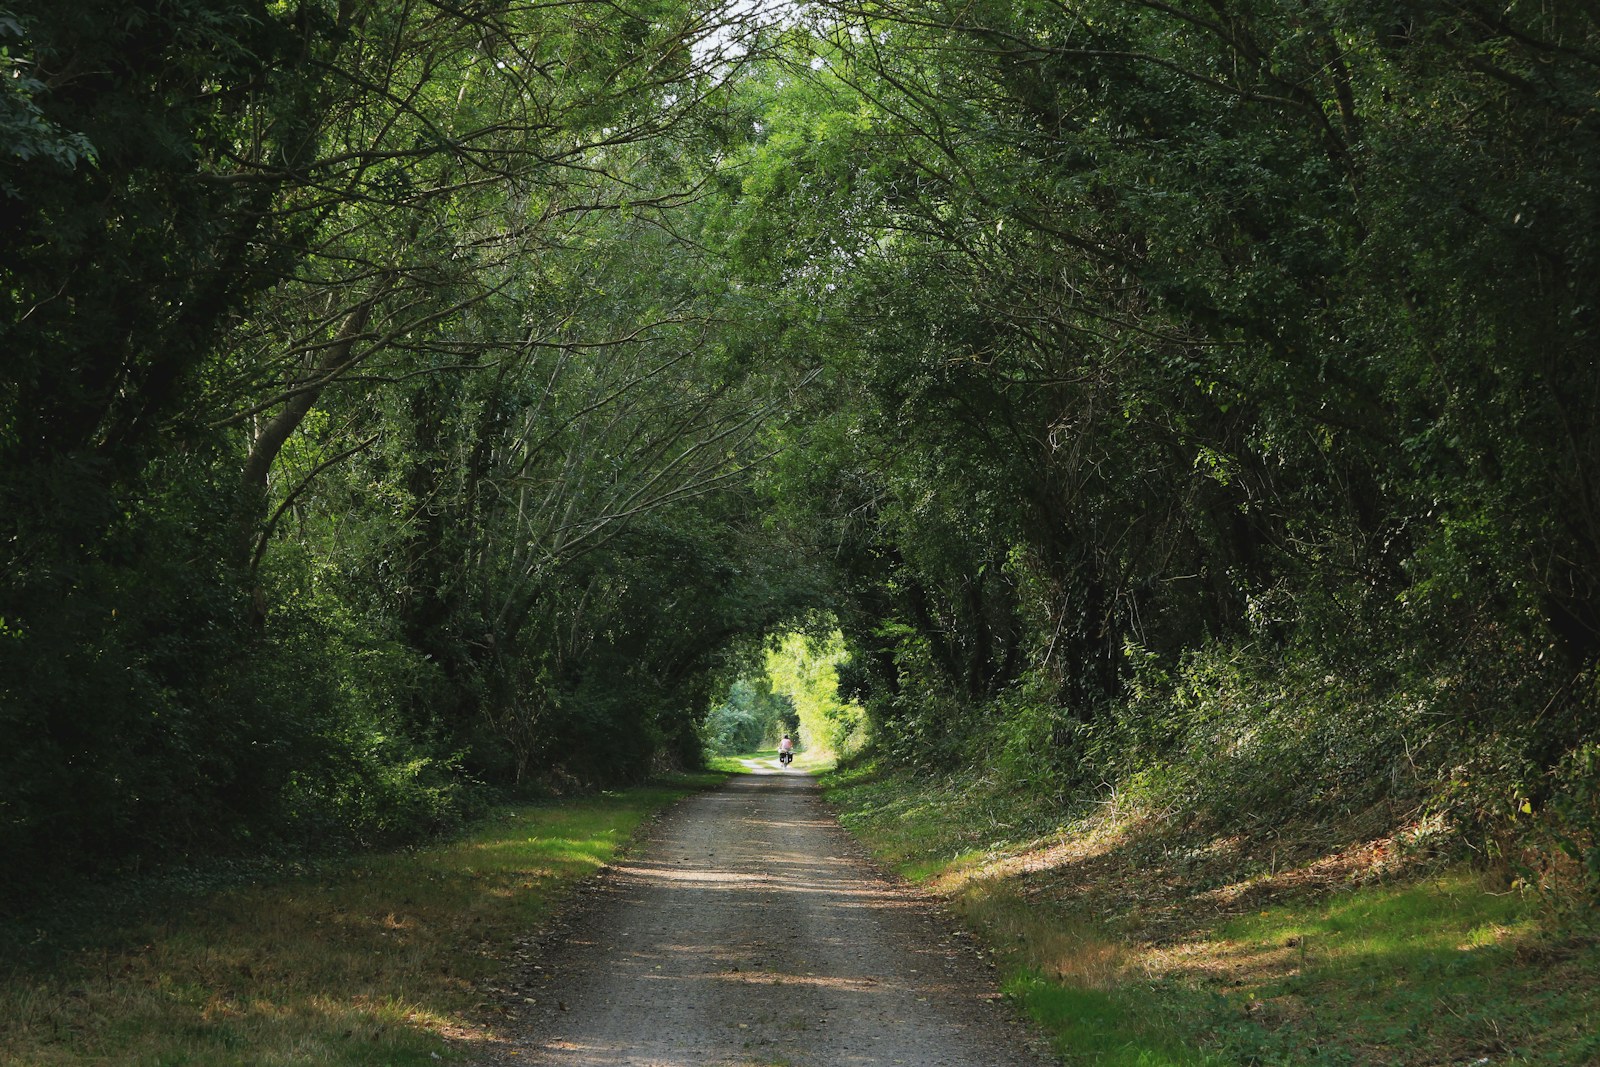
[1175, 333]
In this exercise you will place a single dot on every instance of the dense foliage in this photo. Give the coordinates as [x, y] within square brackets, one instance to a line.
[1222, 394]
[373, 428]
[404, 399]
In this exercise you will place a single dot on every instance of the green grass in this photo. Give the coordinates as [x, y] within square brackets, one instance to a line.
[737, 764]
[1112, 1028]
[370, 961]
[1440, 970]
[1132, 954]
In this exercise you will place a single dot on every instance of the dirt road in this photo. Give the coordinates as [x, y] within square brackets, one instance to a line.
[750, 931]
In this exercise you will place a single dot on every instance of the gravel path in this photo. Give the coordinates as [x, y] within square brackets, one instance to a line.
[750, 930]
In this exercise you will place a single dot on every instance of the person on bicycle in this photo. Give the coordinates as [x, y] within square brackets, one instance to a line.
[786, 749]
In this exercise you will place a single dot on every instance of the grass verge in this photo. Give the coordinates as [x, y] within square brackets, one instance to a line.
[1137, 946]
[389, 959]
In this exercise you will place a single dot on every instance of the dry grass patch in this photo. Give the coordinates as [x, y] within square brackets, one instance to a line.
[1041, 939]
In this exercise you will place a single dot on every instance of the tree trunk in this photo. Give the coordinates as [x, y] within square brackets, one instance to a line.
[275, 433]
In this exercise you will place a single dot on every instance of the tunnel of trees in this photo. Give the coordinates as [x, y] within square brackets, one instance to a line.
[405, 403]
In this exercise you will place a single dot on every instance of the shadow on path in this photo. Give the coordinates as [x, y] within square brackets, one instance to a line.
[750, 929]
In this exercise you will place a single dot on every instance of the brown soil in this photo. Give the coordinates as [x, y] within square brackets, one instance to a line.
[750, 929]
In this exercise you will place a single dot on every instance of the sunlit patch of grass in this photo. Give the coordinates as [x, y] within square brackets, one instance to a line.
[1439, 971]
[1107, 1027]
[379, 960]
[946, 829]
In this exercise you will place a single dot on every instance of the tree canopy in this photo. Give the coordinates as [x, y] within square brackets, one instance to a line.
[406, 401]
